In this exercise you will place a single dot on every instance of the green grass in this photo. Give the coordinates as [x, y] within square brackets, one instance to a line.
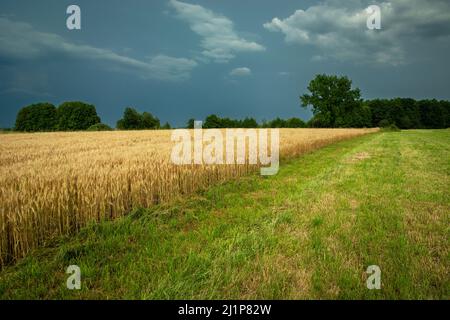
[309, 232]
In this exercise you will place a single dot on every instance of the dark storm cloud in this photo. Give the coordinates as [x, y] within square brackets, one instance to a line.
[20, 41]
[181, 59]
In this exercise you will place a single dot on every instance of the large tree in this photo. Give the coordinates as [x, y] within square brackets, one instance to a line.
[332, 99]
[295, 123]
[76, 115]
[148, 121]
[249, 123]
[130, 121]
[190, 123]
[212, 121]
[133, 120]
[37, 117]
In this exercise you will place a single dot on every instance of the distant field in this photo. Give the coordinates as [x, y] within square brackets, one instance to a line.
[52, 184]
[308, 232]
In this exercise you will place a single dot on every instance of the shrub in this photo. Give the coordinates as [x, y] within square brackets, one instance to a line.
[99, 127]
[384, 123]
[391, 128]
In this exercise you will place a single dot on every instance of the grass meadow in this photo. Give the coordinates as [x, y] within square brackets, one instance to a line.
[308, 232]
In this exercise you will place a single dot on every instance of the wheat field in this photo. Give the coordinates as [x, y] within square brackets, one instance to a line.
[51, 184]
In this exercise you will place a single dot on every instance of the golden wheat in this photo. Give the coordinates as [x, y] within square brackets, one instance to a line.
[52, 184]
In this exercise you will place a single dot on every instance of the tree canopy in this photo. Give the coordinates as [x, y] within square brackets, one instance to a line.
[99, 127]
[408, 113]
[76, 115]
[214, 121]
[133, 120]
[37, 117]
[334, 102]
[281, 123]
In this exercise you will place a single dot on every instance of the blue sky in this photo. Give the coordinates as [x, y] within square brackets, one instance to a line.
[187, 59]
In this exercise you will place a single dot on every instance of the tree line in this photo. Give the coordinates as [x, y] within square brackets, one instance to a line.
[69, 116]
[333, 101]
[133, 120]
[408, 113]
[404, 113]
[79, 116]
[335, 104]
[214, 121]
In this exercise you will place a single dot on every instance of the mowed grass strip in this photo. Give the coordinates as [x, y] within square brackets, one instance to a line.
[308, 232]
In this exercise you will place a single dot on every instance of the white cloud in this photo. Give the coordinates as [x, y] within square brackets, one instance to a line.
[20, 41]
[240, 72]
[220, 42]
[338, 29]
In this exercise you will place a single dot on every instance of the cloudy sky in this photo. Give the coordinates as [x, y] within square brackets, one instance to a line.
[187, 59]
